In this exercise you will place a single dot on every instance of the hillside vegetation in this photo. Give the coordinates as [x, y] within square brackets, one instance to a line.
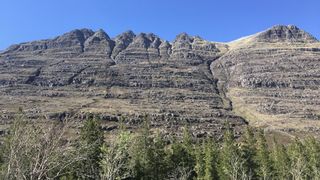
[34, 150]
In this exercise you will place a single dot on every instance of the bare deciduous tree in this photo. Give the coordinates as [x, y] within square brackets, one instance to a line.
[181, 173]
[115, 158]
[34, 150]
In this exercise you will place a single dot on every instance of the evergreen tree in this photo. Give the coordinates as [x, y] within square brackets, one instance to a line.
[298, 159]
[248, 152]
[211, 156]
[91, 141]
[187, 140]
[149, 158]
[182, 156]
[281, 161]
[141, 151]
[264, 169]
[35, 151]
[200, 162]
[187, 144]
[313, 152]
[159, 161]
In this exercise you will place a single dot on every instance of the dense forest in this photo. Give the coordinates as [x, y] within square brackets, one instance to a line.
[52, 150]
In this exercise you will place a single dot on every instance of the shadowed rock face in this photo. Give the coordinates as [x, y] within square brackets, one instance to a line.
[191, 80]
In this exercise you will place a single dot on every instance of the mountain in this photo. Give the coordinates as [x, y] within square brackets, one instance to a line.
[269, 79]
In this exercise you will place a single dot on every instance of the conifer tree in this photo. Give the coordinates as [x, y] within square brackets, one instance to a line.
[159, 161]
[200, 161]
[298, 160]
[211, 156]
[187, 140]
[149, 157]
[182, 156]
[264, 169]
[280, 161]
[313, 152]
[248, 152]
[140, 151]
[91, 141]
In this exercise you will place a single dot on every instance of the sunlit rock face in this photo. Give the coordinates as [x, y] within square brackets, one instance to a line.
[282, 33]
[272, 76]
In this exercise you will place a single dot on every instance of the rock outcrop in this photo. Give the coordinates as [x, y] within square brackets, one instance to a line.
[99, 43]
[122, 42]
[270, 79]
[143, 47]
[288, 33]
[195, 48]
[273, 78]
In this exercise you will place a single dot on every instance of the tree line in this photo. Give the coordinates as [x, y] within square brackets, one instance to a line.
[46, 151]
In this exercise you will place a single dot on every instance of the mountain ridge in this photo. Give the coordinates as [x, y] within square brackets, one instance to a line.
[269, 79]
[289, 33]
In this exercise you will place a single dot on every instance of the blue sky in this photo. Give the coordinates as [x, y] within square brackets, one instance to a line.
[215, 20]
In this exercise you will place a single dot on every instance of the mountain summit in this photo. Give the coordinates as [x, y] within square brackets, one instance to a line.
[281, 33]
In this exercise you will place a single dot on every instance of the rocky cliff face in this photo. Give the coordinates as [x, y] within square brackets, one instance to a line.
[289, 33]
[269, 79]
[273, 78]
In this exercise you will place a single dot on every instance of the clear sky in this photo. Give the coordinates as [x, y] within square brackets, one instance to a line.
[215, 20]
